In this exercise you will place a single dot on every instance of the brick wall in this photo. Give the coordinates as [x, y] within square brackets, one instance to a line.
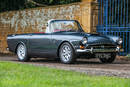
[34, 20]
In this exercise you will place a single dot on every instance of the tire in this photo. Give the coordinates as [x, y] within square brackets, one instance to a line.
[108, 60]
[22, 53]
[67, 53]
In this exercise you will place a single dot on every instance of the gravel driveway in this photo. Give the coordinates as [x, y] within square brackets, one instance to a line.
[120, 68]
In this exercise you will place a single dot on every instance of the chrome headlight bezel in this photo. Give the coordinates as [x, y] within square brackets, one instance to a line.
[119, 41]
[84, 40]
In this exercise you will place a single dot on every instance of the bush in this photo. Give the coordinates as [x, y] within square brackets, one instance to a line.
[128, 56]
[9, 5]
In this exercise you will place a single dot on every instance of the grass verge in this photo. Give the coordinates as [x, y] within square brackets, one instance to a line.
[24, 75]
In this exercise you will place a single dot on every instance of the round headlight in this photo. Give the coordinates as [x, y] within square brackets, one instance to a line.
[84, 41]
[119, 41]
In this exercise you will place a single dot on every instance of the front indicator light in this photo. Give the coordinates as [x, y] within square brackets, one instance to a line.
[82, 47]
[120, 46]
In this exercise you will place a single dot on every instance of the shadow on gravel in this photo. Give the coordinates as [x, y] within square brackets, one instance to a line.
[57, 61]
[79, 61]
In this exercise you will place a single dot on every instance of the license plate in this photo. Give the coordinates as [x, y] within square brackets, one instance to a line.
[103, 55]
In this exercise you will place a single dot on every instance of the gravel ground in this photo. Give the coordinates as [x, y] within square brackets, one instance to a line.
[120, 68]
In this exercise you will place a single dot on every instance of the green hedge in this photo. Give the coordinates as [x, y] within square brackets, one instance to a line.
[9, 5]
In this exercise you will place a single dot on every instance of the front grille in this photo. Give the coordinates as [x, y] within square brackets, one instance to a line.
[101, 46]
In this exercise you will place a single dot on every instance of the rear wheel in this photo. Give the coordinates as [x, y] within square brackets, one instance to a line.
[66, 53]
[109, 59]
[22, 53]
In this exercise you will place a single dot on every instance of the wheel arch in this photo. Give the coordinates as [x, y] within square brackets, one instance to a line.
[18, 45]
[61, 45]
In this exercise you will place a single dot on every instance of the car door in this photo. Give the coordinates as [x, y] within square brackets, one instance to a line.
[40, 44]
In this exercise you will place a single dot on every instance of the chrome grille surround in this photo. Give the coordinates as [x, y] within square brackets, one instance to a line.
[101, 46]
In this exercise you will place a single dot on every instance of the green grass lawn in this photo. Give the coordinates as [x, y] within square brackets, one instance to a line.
[24, 75]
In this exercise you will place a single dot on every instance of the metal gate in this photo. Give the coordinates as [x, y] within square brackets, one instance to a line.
[114, 19]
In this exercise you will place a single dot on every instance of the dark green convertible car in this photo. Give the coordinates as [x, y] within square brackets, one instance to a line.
[66, 40]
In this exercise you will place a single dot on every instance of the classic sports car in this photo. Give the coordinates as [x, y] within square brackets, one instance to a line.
[66, 40]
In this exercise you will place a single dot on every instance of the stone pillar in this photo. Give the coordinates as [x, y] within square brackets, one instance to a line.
[89, 16]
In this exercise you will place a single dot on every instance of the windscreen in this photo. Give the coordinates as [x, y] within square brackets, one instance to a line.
[57, 26]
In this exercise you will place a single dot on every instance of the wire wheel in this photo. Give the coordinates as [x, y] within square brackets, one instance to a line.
[66, 53]
[22, 52]
[108, 60]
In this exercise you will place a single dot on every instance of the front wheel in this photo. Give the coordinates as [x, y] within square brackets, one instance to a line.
[108, 59]
[22, 53]
[66, 53]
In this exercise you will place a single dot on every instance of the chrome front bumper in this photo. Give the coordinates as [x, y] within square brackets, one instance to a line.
[97, 50]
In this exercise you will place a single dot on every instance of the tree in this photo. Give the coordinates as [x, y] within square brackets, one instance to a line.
[8, 5]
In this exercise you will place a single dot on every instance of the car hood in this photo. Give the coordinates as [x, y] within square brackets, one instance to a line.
[98, 39]
[93, 38]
